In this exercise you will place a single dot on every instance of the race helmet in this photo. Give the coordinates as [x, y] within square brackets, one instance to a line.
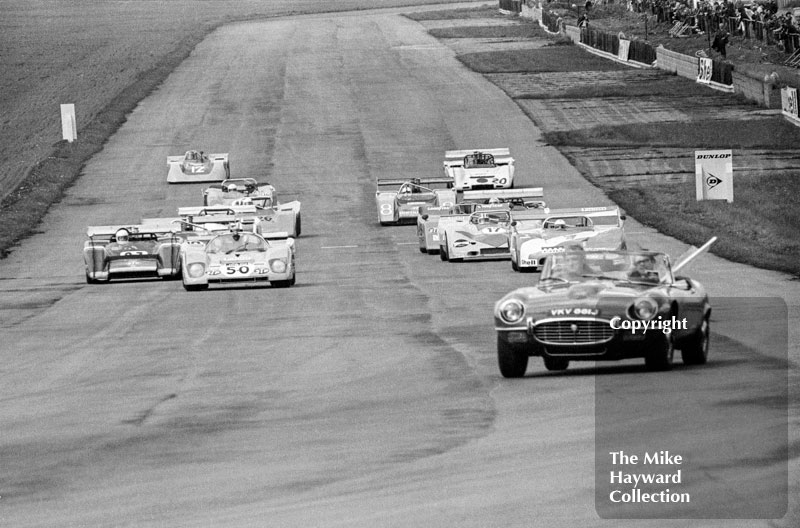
[122, 235]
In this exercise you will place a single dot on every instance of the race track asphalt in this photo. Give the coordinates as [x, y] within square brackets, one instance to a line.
[368, 394]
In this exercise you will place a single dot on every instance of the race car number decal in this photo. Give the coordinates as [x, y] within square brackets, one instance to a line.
[232, 270]
[386, 209]
[196, 168]
[129, 253]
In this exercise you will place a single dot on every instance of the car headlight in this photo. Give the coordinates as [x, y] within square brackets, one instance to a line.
[511, 311]
[277, 266]
[196, 270]
[645, 308]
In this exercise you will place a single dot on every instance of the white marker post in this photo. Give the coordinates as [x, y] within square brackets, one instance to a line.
[713, 171]
[69, 130]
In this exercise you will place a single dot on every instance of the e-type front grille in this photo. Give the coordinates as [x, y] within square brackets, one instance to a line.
[573, 332]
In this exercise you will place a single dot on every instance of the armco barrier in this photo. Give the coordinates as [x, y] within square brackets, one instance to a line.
[677, 63]
[510, 6]
[764, 91]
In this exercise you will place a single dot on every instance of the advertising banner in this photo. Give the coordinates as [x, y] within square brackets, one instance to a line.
[704, 69]
[624, 47]
[789, 102]
[714, 174]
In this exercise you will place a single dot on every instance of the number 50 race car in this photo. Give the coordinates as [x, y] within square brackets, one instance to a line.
[239, 257]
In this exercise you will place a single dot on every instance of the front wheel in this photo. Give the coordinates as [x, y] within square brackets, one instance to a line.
[661, 354]
[284, 283]
[695, 351]
[297, 225]
[443, 254]
[511, 358]
[195, 287]
[514, 265]
[90, 280]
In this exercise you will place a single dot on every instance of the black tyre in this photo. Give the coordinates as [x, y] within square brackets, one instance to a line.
[443, 251]
[555, 363]
[512, 359]
[298, 225]
[695, 350]
[195, 287]
[283, 283]
[514, 265]
[423, 250]
[662, 353]
[90, 280]
[433, 251]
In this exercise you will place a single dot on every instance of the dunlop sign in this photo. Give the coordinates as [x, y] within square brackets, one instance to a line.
[713, 174]
[705, 67]
[789, 104]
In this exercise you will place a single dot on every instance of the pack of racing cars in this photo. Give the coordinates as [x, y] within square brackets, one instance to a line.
[595, 299]
[600, 312]
[241, 234]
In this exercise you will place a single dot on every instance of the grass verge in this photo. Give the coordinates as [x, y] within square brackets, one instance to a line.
[759, 228]
[24, 208]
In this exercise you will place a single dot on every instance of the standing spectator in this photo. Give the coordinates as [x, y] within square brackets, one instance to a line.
[720, 41]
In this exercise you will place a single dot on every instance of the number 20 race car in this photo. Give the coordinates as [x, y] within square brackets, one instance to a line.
[480, 169]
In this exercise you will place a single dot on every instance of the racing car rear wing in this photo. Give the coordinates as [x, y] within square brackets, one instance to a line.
[136, 229]
[217, 210]
[503, 194]
[180, 159]
[397, 182]
[455, 158]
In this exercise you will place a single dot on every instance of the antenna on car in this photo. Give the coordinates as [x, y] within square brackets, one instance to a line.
[694, 254]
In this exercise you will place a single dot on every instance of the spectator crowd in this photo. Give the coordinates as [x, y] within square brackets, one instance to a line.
[721, 18]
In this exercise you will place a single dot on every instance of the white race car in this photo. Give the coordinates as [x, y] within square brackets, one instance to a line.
[432, 219]
[531, 240]
[195, 166]
[480, 169]
[399, 200]
[239, 257]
